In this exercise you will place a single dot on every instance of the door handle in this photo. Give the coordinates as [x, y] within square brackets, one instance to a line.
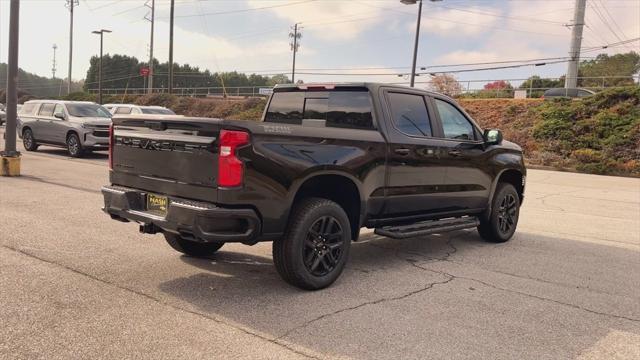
[402, 151]
[455, 153]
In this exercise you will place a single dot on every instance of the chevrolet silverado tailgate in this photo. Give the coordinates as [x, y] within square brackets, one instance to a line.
[167, 154]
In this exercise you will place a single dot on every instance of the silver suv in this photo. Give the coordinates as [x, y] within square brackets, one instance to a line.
[79, 126]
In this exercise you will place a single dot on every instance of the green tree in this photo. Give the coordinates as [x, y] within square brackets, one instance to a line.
[38, 86]
[121, 71]
[622, 66]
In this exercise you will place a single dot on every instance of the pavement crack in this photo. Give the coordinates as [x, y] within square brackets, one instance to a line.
[275, 341]
[366, 303]
[525, 294]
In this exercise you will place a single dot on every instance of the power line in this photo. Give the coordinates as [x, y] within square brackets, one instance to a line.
[103, 5]
[463, 23]
[128, 10]
[245, 10]
[620, 43]
[603, 20]
[486, 13]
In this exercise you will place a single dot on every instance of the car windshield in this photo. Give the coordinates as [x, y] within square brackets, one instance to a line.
[88, 110]
[157, 111]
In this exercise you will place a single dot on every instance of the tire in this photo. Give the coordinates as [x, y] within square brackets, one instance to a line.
[28, 141]
[74, 147]
[192, 248]
[315, 247]
[503, 220]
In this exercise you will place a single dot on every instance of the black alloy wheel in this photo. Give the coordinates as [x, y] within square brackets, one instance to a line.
[507, 213]
[323, 246]
[315, 247]
[500, 225]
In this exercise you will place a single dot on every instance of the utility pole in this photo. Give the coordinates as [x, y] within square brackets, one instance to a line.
[53, 68]
[295, 45]
[10, 157]
[70, 4]
[571, 81]
[171, 48]
[152, 20]
[101, 33]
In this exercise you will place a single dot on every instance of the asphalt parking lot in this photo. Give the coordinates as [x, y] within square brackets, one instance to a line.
[75, 284]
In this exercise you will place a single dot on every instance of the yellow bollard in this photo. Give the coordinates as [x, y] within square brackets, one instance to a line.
[10, 165]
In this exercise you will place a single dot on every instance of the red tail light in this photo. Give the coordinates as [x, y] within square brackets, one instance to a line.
[111, 146]
[230, 167]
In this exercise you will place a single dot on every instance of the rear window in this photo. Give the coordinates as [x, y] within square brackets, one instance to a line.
[343, 109]
[27, 109]
[157, 111]
[123, 110]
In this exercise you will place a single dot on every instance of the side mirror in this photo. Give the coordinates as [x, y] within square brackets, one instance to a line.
[59, 116]
[493, 137]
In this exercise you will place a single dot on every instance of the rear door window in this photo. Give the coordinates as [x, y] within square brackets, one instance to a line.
[343, 109]
[409, 114]
[46, 110]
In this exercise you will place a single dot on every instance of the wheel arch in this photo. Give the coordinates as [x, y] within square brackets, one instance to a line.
[338, 187]
[73, 131]
[512, 176]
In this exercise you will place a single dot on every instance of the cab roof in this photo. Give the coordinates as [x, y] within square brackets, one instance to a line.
[371, 86]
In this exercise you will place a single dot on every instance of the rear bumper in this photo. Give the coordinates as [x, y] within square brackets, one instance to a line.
[199, 221]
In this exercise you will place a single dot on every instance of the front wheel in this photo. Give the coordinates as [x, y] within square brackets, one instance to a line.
[315, 248]
[192, 248]
[505, 211]
[74, 147]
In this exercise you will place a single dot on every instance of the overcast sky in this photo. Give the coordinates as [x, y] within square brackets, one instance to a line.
[252, 35]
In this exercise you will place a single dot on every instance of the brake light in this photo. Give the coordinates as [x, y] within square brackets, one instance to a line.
[230, 167]
[111, 146]
[316, 87]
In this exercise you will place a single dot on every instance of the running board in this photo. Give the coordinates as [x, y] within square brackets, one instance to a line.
[427, 227]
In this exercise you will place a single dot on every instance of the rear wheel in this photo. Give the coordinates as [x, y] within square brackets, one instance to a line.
[73, 145]
[505, 211]
[315, 248]
[192, 248]
[28, 141]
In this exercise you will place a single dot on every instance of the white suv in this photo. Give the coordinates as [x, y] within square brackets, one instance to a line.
[127, 109]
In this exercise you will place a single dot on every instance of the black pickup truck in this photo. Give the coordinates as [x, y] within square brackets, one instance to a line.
[324, 161]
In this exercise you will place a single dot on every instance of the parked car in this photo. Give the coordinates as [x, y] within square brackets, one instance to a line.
[567, 93]
[3, 113]
[324, 161]
[78, 126]
[127, 109]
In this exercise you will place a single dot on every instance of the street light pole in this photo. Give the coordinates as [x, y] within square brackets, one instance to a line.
[171, 46]
[10, 157]
[101, 33]
[415, 46]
